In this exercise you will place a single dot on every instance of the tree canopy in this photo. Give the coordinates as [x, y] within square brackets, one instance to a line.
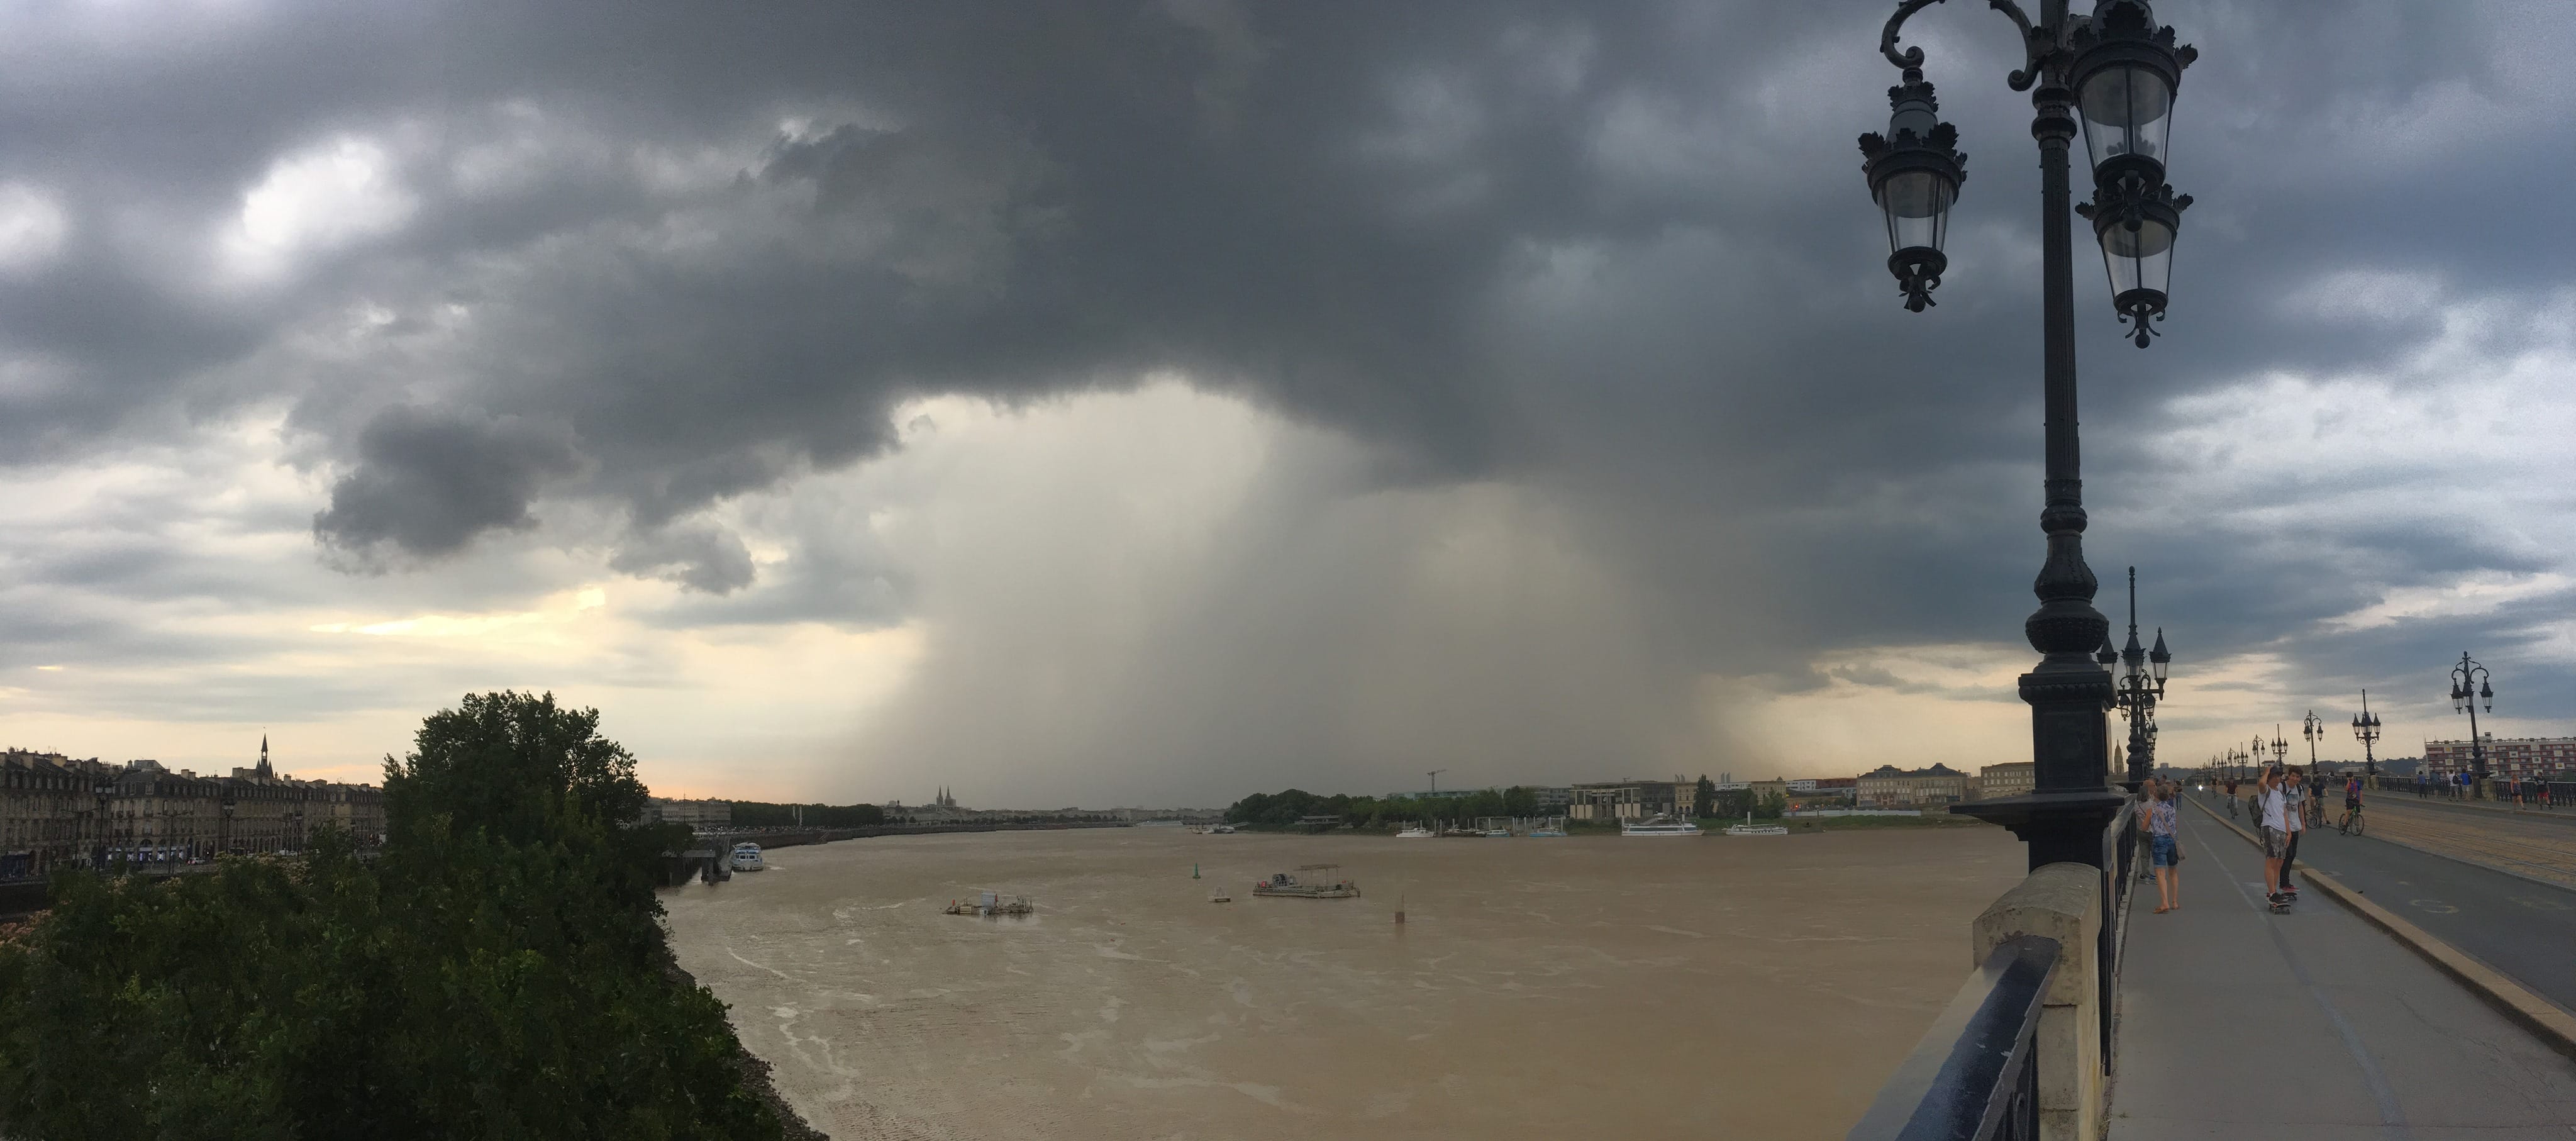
[1285, 808]
[756, 814]
[499, 972]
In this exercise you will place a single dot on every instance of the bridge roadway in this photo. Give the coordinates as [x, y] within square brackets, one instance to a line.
[2534, 845]
[2235, 1022]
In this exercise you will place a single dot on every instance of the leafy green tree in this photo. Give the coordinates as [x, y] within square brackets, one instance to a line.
[499, 972]
[1704, 796]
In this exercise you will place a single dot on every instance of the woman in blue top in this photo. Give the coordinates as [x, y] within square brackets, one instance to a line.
[2162, 853]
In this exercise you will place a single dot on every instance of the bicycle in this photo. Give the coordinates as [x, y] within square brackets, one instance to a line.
[2350, 825]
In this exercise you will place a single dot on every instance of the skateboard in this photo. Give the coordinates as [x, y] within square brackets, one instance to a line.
[2280, 904]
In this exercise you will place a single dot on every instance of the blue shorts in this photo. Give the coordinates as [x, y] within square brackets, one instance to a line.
[2161, 852]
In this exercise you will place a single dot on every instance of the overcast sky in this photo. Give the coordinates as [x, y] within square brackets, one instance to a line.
[1154, 401]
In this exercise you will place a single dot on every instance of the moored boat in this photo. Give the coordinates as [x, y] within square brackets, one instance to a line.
[1660, 826]
[745, 858]
[1309, 884]
[991, 903]
[1414, 832]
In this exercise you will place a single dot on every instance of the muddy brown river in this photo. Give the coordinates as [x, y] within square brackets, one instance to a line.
[1641, 988]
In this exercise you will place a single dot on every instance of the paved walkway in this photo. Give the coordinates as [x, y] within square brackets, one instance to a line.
[2235, 1022]
[2555, 812]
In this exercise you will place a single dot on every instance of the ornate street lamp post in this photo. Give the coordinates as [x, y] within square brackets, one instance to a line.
[2122, 70]
[2140, 685]
[2469, 690]
[2280, 744]
[2365, 728]
[2314, 729]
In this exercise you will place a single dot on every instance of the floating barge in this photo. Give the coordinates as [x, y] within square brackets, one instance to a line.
[1311, 881]
[990, 904]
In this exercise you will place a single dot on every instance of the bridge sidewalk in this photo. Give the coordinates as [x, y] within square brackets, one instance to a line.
[2234, 1022]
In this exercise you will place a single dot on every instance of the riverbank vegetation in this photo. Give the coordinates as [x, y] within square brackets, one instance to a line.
[498, 970]
[756, 814]
[1283, 809]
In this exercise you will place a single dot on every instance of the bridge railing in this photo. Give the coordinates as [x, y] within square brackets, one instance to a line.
[1976, 1075]
[2120, 844]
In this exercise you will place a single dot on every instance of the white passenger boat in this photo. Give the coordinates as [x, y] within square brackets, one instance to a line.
[1414, 832]
[1756, 830]
[1660, 826]
[746, 858]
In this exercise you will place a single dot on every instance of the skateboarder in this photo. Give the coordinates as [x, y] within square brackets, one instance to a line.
[2270, 805]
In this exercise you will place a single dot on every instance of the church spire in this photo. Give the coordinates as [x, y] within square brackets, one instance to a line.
[264, 770]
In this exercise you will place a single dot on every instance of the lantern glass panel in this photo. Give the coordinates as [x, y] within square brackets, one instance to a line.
[1917, 203]
[2139, 259]
[2127, 109]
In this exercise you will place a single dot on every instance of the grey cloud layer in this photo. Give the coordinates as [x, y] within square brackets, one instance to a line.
[1622, 251]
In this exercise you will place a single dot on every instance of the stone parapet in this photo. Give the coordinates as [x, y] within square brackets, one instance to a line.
[2062, 902]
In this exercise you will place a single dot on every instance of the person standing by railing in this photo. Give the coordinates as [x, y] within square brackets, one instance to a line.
[2163, 850]
[2268, 806]
[2294, 820]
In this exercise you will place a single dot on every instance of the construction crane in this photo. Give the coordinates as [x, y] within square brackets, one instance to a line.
[1435, 778]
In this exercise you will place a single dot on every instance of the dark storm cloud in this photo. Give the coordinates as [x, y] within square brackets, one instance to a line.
[428, 481]
[1622, 251]
[700, 558]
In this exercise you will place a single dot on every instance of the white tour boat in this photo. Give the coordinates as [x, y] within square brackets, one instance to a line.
[1414, 832]
[1660, 826]
[746, 858]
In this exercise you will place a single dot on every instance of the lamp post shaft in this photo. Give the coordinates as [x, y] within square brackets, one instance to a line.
[2070, 695]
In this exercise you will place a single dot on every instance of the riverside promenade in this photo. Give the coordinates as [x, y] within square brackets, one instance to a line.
[2235, 1022]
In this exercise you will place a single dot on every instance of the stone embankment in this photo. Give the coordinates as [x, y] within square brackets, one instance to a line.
[793, 837]
[681, 867]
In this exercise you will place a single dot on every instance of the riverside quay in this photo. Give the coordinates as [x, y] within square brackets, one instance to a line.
[56, 811]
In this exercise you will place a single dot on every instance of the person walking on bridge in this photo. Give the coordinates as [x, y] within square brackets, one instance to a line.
[2162, 851]
[2268, 813]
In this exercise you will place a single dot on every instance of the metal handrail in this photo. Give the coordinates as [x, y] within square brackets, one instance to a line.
[2120, 843]
[1975, 1075]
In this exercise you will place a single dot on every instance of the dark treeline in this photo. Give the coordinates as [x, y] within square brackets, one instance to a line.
[1736, 803]
[1285, 808]
[499, 970]
[755, 814]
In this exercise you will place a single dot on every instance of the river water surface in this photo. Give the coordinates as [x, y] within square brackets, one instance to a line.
[1641, 988]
